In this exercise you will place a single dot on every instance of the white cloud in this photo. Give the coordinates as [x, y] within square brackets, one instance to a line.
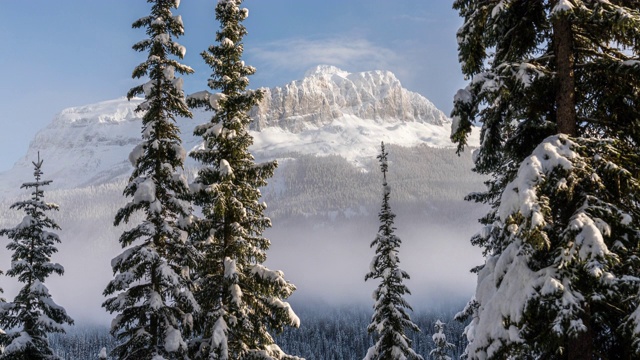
[355, 54]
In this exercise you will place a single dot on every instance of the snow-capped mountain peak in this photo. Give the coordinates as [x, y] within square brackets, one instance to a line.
[330, 111]
[328, 93]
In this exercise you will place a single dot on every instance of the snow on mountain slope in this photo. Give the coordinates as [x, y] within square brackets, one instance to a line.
[328, 112]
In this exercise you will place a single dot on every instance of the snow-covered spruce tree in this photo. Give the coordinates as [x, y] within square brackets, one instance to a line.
[443, 348]
[390, 318]
[241, 299]
[32, 314]
[555, 86]
[151, 295]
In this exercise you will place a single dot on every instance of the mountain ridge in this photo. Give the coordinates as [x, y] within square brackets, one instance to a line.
[329, 112]
[327, 93]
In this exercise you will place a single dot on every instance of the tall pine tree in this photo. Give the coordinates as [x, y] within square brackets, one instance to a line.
[32, 314]
[555, 86]
[241, 300]
[151, 288]
[390, 319]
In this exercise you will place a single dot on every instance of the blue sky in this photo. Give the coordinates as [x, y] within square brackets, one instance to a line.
[58, 54]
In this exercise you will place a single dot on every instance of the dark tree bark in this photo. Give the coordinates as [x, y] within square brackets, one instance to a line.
[580, 347]
[566, 91]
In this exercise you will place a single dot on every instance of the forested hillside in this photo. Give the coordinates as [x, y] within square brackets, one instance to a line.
[330, 186]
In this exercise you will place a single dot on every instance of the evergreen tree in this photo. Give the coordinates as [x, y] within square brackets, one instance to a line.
[33, 314]
[390, 318]
[443, 348]
[151, 287]
[241, 299]
[555, 86]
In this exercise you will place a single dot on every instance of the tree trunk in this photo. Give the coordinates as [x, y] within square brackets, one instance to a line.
[566, 93]
[581, 347]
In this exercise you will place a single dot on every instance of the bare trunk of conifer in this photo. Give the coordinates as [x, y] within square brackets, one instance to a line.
[565, 96]
[581, 347]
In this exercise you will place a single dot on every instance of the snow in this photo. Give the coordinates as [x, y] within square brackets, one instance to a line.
[145, 191]
[294, 319]
[219, 337]
[178, 20]
[147, 88]
[524, 73]
[26, 222]
[181, 49]
[226, 42]
[204, 95]
[463, 96]
[236, 294]
[352, 137]
[158, 21]
[498, 9]
[518, 284]
[173, 340]
[520, 194]
[178, 83]
[230, 270]
[562, 6]
[270, 275]
[169, 72]
[589, 242]
[488, 81]
[162, 38]
[155, 301]
[136, 153]
[225, 168]
[18, 343]
[214, 100]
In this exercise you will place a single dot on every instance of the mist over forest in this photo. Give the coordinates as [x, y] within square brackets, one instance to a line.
[324, 214]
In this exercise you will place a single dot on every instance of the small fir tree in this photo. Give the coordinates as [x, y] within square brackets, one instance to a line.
[443, 348]
[151, 288]
[241, 300]
[390, 317]
[33, 314]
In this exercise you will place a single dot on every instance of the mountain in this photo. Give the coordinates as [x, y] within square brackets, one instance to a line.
[323, 207]
[328, 93]
[329, 112]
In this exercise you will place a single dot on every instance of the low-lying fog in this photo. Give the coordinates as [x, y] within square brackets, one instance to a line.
[326, 260]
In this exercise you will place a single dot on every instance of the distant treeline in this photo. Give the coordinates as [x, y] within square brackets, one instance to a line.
[326, 333]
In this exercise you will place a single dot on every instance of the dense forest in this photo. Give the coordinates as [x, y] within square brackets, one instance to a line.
[325, 333]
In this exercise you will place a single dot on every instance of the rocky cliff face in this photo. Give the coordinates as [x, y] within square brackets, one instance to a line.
[328, 93]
